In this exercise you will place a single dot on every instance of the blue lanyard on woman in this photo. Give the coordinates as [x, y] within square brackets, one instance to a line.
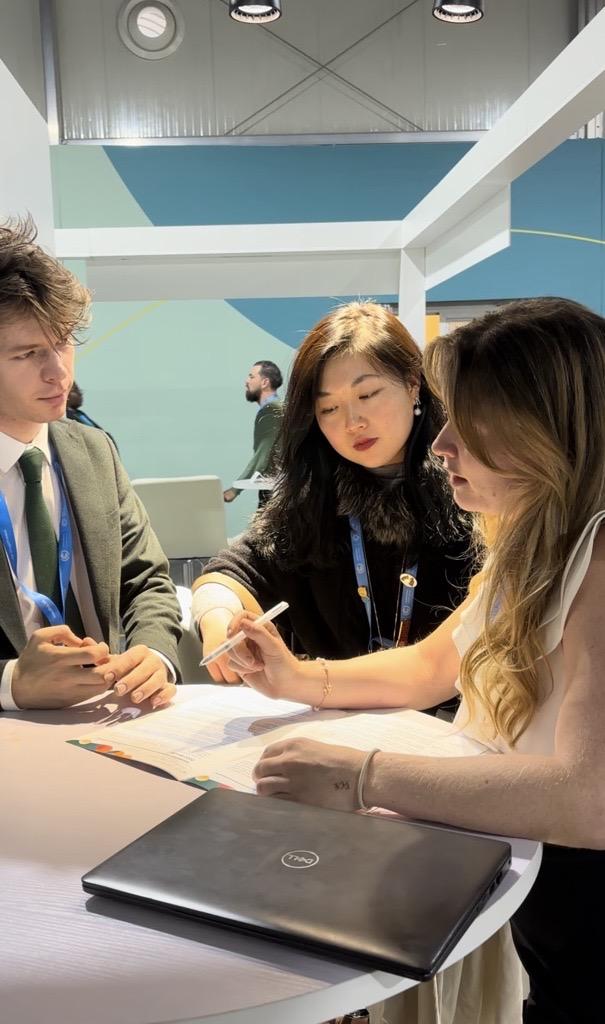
[44, 603]
[408, 580]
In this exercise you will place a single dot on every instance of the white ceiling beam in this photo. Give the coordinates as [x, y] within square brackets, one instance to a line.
[245, 277]
[227, 240]
[566, 95]
[412, 293]
[483, 233]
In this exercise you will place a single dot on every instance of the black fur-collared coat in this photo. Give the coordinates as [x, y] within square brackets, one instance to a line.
[326, 617]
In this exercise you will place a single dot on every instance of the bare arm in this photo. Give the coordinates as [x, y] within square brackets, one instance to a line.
[419, 676]
[558, 798]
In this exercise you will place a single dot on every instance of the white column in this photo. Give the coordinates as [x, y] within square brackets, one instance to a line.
[412, 293]
[25, 181]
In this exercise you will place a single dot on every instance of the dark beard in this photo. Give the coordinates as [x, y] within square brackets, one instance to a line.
[252, 396]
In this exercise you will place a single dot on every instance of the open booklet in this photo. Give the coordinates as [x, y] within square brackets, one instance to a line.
[217, 736]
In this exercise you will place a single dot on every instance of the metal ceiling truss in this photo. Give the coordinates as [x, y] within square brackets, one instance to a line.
[402, 123]
[404, 129]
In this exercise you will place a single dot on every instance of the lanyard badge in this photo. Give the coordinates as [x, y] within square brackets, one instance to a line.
[408, 580]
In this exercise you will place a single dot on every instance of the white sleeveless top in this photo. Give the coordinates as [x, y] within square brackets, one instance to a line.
[539, 737]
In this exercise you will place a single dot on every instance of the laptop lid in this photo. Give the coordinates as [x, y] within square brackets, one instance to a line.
[379, 893]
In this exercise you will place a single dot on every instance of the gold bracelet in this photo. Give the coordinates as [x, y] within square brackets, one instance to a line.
[327, 687]
[362, 778]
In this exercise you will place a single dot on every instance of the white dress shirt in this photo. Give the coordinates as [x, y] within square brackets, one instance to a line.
[12, 486]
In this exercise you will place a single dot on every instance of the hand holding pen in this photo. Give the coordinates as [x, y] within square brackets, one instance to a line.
[228, 645]
[264, 662]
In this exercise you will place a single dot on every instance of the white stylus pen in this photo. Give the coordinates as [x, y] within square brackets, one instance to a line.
[228, 645]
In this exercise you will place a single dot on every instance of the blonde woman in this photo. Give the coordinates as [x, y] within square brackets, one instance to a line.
[524, 447]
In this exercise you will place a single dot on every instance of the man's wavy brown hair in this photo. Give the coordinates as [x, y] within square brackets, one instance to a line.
[32, 283]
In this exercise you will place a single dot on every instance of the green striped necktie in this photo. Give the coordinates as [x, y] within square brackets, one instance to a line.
[42, 539]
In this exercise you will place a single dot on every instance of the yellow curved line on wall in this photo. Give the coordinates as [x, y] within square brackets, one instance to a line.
[90, 346]
[557, 234]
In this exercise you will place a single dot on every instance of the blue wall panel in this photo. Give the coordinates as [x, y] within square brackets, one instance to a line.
[561, 195]
[281, 184]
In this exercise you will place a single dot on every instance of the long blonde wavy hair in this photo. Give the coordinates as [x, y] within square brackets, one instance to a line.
[524, 387]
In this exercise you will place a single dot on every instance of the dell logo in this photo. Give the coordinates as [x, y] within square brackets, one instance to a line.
[300, 859]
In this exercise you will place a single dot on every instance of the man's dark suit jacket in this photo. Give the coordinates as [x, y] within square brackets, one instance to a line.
[127, 569]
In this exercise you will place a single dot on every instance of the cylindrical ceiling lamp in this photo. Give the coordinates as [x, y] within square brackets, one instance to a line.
[255, 13]
[457, 13]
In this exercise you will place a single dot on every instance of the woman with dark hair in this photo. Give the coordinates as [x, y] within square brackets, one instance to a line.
[361, 535]
[524, 447]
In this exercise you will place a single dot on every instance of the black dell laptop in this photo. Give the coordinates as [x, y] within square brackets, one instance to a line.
[378, 893]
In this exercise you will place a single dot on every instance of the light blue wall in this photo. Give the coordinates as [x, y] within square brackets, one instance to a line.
[166, 378]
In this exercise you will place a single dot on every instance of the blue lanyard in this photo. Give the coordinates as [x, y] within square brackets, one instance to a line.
[44, 603]
[408, 579]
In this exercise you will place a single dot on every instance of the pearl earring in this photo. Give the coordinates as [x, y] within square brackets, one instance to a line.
[417, 407]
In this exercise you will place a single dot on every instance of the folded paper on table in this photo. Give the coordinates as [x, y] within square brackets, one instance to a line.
[217, 737]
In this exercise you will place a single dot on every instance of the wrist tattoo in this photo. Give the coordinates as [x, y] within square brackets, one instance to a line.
[342, 784]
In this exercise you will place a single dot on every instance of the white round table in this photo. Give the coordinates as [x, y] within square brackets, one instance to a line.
[65, 956]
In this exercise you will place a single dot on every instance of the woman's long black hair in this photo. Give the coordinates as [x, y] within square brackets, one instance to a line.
[299, 521]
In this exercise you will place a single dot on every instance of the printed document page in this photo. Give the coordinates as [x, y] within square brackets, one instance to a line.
[178, 739]
[221, 732]
[402, 732]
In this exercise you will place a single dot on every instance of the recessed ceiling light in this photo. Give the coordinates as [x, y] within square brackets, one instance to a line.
[152, 22]
[255, 13]
[457, 13]
[151, 30]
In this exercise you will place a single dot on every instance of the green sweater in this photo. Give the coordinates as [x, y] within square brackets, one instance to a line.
[266, 429]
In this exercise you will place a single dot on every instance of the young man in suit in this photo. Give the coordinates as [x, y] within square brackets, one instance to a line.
[261, 386]
[78, 554]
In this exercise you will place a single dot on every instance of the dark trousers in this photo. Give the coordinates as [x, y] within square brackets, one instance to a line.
[559, 933]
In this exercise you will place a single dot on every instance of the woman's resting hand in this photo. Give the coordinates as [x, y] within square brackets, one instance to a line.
[311, 773]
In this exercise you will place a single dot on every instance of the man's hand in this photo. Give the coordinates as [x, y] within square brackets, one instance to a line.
[139, 672]
[229, 495]
[49, 672]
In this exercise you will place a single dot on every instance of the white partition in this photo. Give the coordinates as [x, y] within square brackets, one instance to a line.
[25, 182]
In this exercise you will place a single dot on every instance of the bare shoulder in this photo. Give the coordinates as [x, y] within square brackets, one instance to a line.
[595, 574]
[598, 551]
[590, 599]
